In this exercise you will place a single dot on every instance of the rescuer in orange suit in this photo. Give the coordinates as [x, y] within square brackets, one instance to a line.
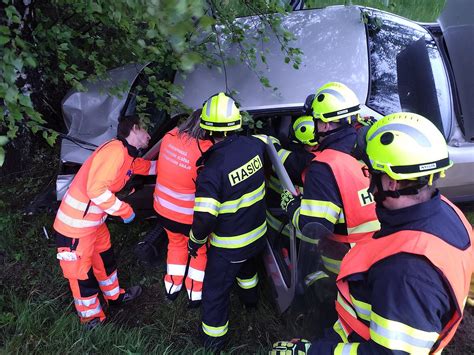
[83, 240]
[174, 203]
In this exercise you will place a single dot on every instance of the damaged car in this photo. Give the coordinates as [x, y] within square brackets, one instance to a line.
[392, 64]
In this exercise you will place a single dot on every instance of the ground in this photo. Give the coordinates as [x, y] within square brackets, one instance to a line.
[36, 312]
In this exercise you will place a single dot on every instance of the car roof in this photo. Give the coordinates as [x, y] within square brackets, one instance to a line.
[334, 45]
[457, 24]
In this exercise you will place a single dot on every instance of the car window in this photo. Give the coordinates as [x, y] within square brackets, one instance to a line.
[407, 71]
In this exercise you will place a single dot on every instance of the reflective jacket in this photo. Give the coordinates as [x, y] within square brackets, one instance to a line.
[176, 176]
[91, 196]
[230, 205]
[455, 265]
[358, 207]
[321, 188]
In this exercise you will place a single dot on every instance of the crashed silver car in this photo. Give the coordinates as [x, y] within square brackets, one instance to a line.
[393, 64]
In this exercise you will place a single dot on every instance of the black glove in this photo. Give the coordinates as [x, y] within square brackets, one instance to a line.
[193, 248]
[293, 347]
[289, 203]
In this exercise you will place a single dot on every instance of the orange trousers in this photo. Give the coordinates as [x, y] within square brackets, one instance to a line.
[94, 271]
[176, 267]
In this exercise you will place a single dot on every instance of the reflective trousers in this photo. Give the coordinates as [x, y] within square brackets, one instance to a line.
[176, 267]
[221, 274]
[94, 271]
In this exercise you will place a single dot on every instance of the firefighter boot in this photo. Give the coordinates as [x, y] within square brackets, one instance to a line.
[92, 324]
[129, 295]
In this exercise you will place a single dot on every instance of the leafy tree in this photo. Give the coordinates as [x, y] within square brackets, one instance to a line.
[50, 46]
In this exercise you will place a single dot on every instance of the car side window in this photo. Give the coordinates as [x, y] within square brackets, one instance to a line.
[407, 72]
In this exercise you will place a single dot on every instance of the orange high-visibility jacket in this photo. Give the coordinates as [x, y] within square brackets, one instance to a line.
[358, 204]
[455, 264]
[176, 176]
[91, 196]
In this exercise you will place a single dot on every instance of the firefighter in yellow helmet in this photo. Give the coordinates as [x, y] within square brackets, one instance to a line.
[229, 215]
[403, 290]
[295, 157]
[335, 187]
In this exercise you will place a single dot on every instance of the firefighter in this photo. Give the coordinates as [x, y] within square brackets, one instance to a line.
[295, 161]
[82, 238]
[404, 290]
[174, 202]
[335, 187]
[229, 213]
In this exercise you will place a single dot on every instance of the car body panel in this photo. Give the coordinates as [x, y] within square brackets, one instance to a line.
[457, 24]
[92, 115]
[331, 52]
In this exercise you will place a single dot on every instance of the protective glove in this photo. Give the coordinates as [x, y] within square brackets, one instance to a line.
[366, 120]
[193, 248]
[129, 219]
[292, 347]
[288, 200]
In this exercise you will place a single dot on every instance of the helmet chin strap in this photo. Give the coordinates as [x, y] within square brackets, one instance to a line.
[381, 194]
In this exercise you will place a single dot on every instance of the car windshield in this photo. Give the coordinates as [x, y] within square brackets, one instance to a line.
[407, 71]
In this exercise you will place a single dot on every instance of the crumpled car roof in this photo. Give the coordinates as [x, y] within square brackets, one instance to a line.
[92, 115]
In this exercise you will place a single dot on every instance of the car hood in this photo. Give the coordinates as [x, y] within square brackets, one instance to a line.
[92, 115]
[457, 24]
[334, 45]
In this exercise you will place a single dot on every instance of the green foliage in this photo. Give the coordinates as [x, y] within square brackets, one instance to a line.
[3, 141]
[48, 47]
[17, 58]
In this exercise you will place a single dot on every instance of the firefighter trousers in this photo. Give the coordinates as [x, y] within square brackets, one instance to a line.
[176, 263]
[221, 274]
[93, 271]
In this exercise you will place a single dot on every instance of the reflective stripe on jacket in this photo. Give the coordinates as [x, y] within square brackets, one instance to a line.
[176, 176]
[358, 204]
[454, 264]
[91, 196]
[230, 198]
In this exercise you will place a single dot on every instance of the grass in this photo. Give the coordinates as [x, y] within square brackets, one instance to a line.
[37, 315]
[417, 10]
[36, 312]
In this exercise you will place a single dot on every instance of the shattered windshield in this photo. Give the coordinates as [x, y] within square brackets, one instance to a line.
[407, 72]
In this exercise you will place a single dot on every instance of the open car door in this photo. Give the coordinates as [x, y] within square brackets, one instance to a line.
[284, 282]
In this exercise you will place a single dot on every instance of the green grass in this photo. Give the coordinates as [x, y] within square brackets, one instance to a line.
[418, 10]
[37, 315]
[37, 325]
[36, 312]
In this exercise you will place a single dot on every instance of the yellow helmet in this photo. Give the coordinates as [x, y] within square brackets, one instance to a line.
[407, 146]
[220, 114]
[334, 101]
[304, 130]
